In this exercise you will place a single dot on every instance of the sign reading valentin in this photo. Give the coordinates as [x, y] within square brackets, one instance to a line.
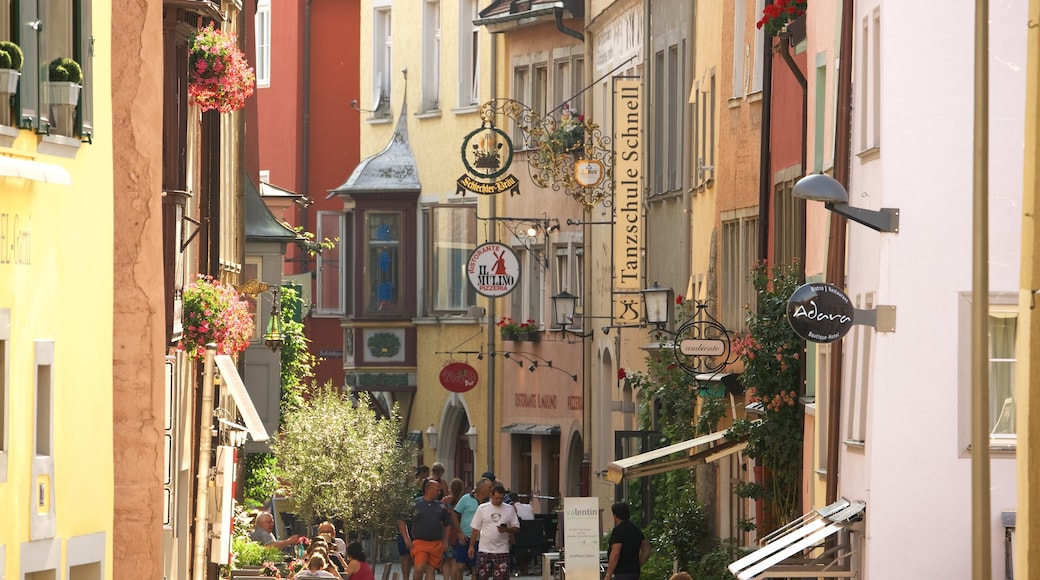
[493, 270]
[820, 312]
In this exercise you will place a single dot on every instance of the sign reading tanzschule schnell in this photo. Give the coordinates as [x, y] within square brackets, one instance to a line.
[628, 201]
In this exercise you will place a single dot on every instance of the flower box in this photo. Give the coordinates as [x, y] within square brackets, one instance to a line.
[9, 81]
[509, 334]
[530, 336]
[62, 92]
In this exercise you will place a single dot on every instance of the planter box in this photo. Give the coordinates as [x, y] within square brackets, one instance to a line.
[509, 335]
[9, 81]
[62, 93]
[530, 337]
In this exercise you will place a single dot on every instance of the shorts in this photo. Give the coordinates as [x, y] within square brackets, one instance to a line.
[462, 554]
[492, 566]
[427, 552]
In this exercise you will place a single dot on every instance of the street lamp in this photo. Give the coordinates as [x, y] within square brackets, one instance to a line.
[563, 305]
[820, 187]
[274, 337]
[431, 437]
[471, 438]
[658, 302]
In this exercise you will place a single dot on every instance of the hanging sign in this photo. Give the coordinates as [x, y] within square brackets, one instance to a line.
[487, 154]
[493, 270]
[588, 172]
[458, 377]
[820, 312]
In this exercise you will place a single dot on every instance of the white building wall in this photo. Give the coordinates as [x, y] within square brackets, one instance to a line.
[913, 469]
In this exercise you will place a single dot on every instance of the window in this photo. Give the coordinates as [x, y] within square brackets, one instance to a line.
[521, 82]
[704, 130]
[540, 89]
[5, 389]
[756, 56]
[469, 54]
[569, 80]
[788, 222]
[820, 113]
[870, 84]
[431, 55]
[381, 62]
[570, 276]
[64, 31]
[452, 238]
[739, 10]
[526, 303]
[1003, 326]
[739, 255]
[668, 98]
[263, 43]
[43, 407]
[330, 279]
[383, 256]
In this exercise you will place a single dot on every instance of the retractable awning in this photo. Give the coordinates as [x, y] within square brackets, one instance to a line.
[797, 550]
[715, 447]
[530, 429]
[34, 170]
[233, 381]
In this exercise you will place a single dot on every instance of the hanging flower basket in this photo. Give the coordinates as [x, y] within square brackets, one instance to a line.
[214, 312]
[777, 15]
[221, 78]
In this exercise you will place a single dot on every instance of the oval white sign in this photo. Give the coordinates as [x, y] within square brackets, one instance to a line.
[702, 347]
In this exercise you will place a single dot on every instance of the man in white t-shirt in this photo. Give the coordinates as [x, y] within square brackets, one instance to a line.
[492, 525]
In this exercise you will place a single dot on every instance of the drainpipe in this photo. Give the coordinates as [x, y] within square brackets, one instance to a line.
[305, 130]
[205, 441]
[836, 244]
[765, 176]
[558, 12]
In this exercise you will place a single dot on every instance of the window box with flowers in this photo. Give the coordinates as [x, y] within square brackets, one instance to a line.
[779, 14]
[509, 329]
[221, 78]
[214, 312]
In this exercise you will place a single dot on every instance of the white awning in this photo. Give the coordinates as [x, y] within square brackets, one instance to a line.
[653, 462]
[796, 550]
[35, 170]
[233, 381]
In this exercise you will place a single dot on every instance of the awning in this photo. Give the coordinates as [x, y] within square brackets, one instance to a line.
[796, 550]
[35, 170]
[654, 462]
[530, 429]
[233, 381]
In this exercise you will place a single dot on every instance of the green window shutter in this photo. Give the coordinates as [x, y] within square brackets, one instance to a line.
[84, 46]
[29, 38]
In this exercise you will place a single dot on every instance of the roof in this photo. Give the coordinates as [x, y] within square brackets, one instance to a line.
[391, 170]
[261, 225]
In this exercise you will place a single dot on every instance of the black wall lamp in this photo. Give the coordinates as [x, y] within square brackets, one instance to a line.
[821, 187]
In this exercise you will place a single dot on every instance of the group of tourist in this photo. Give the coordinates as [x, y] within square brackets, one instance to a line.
[326, 555]
[453, 531]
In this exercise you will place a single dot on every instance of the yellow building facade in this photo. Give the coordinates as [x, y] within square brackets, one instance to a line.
[56, 310]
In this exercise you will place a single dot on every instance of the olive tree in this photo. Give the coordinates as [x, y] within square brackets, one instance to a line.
[341, 461]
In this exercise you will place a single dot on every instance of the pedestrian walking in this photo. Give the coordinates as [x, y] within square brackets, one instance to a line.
[428, 539]
[493, 524]
[628, 550]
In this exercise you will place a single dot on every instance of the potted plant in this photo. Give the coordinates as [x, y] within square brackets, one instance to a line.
[221, 78]
[64, 76]
[777, 15]
[11, 60]
[528, 331]
[214, 312]
[510, 329]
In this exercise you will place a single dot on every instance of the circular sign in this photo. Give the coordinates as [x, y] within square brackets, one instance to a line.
[820, 312]
[588, 172]
[493, 270]
[458, 377]
[487, 152]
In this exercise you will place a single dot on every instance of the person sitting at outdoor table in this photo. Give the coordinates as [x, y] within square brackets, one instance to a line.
[357, 566]
[318, 567]
[326, 528]
[263, 528]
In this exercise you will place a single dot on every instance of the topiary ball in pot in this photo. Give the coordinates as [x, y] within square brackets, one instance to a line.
[65, 70]
[11, 56]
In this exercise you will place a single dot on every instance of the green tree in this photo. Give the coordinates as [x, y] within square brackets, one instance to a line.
[341, 461]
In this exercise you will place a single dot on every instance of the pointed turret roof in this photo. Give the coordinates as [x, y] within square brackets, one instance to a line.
[261, 225]
[391, 170]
